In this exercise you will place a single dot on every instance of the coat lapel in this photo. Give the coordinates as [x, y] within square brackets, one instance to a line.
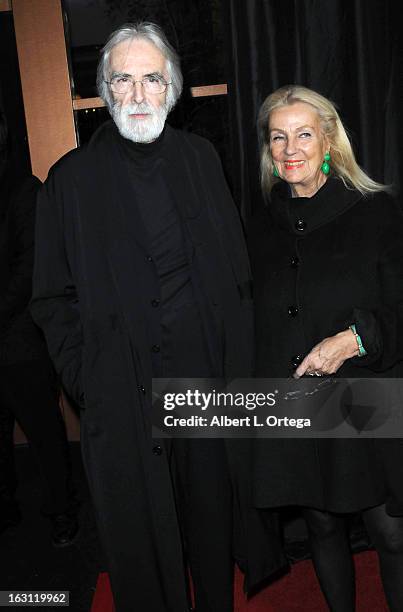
[125, 242]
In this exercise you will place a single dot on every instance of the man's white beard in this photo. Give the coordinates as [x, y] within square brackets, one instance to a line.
[140, 130]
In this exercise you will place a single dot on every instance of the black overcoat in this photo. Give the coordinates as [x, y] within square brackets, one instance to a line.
[94, 283]
[319, 265]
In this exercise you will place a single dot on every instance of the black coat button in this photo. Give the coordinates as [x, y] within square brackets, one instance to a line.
[149, 258]
[155, 348]
[300, 225]
[296, 360]
[155, 303]
[157, 450]
[292, 311]
[142, 389]
[295, 262]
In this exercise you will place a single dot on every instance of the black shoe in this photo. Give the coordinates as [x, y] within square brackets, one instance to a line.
[10, 515]
[65, 529]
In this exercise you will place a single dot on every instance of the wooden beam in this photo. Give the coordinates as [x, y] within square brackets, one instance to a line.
[45, 81]
[197, 92]
[83, 103]
[209, 90]
[5, 5]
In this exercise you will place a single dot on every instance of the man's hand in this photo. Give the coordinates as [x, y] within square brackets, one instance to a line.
[329, 355]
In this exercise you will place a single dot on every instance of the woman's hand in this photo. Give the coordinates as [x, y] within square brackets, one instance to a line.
[327, 356]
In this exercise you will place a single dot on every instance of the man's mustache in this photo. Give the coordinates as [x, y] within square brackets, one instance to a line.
[136, 109]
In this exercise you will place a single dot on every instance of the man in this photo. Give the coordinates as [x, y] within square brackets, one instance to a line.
[28, 391]
[141, 271]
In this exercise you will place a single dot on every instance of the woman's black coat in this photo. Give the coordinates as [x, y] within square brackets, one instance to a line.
[319, 265]
[94, 283]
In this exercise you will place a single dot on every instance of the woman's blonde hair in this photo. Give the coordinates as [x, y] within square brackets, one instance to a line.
[343, 162]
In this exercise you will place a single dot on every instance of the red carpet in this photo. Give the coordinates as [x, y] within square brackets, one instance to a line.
[298, 591]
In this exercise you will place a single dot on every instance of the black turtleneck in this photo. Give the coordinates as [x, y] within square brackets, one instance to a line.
[155, 192]
[148, 165]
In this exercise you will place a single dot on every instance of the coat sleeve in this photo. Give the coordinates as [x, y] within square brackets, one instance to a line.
[229, 226]
[54, 304]
[381, 329]
[230, 232]
[21, 222]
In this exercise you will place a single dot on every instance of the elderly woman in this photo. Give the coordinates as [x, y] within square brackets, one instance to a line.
[327, 259]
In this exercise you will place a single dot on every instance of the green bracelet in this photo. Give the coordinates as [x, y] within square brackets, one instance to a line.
[361, 350]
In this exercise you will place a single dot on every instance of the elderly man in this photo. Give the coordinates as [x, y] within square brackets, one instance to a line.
[141, 272]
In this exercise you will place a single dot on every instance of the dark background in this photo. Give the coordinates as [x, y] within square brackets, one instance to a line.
[349, 51]
[11, 97]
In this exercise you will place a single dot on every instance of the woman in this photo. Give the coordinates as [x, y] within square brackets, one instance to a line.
[327, 258]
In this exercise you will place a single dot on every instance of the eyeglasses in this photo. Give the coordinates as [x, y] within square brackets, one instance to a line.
[152, 84]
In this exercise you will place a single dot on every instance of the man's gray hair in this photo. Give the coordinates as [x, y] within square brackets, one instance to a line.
[145, 31]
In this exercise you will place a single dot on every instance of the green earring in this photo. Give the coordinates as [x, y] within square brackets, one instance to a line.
[325, 167]
[275, 171]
